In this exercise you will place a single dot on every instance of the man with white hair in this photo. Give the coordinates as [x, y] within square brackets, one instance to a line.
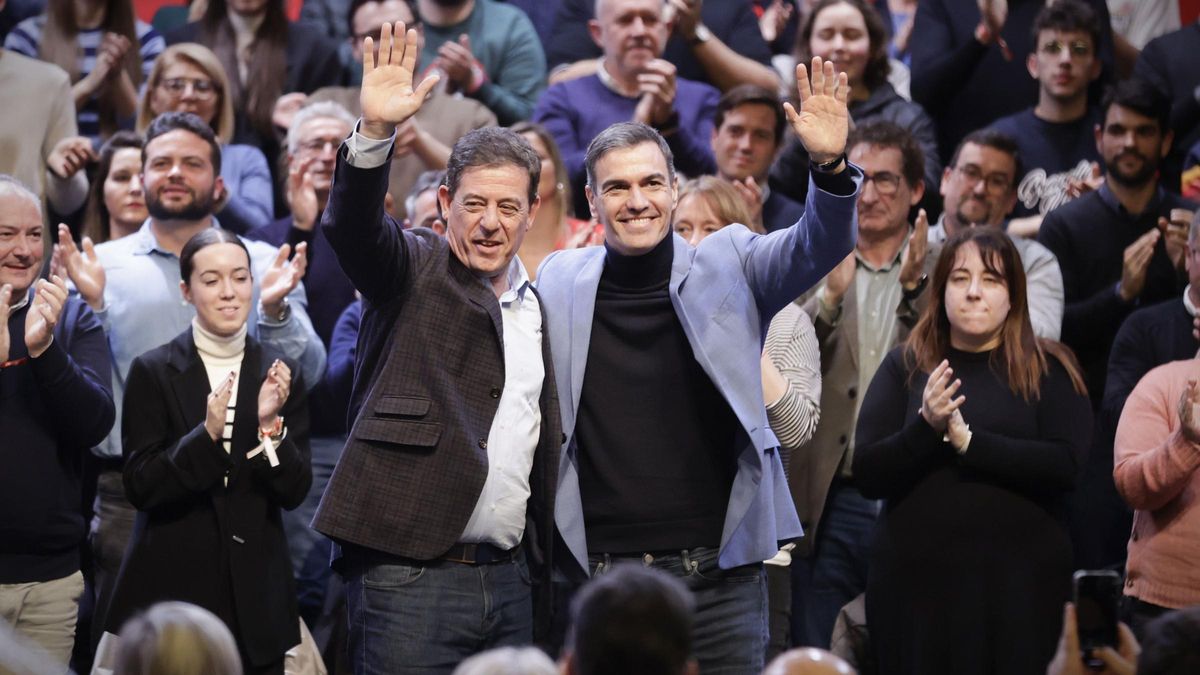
[55, 403]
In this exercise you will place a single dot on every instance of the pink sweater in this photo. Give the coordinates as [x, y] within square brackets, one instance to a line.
[1156, 473]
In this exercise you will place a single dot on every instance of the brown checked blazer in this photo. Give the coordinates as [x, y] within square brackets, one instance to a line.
[815, 464]
[427, 384]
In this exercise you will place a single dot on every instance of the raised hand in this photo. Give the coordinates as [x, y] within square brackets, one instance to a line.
[685, 16]
[1189, 425]
[937, 401]
[838, 281]
[1175, 235]
[302, 196]
[218, 402]
[84, 268]
[70, 155]
[751, 194]
[6, 292]
[44, 312]
[823, 121]
[774, 18]
[286, 107]
[388, 97]
[958, 431]
[912, 264]
[1136, 262]
[282, 277]
[458, 62]
[273, 393]
[656, 85]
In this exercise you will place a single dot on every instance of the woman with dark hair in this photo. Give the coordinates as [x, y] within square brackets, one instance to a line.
[116, 204]
[554, 227]
[215, 444]
[265, 56]
[188, 77]
[103, 47]
[972, 432]
[851, 34]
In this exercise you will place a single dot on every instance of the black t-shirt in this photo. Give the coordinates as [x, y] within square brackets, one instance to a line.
[1051, 154]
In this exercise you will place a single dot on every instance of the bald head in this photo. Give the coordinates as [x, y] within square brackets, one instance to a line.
[808, 661]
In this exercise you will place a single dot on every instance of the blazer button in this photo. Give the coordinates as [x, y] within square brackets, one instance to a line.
[495, 392]
[238, 539]
[853, 392]
[483, 444]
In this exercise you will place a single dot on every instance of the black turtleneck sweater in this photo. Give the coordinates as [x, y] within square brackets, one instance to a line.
[656, 456]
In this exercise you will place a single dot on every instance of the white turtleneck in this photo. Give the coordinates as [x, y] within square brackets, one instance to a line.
[221, 356]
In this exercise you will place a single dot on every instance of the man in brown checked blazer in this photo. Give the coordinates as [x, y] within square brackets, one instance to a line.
[442, 501]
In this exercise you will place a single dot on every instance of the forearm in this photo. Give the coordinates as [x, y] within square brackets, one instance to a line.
[1095, 315]
[295, 340]
[1041, 466]
[66, 195]
[433, 153]
[1153, 460]
[158, 474]
[509, 106]
[125, 96]
[727, 69]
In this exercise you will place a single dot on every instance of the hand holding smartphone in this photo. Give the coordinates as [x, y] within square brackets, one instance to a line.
[1097, 594]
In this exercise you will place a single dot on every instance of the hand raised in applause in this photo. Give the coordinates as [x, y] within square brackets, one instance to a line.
[218, 403]
[44, 312]
[823, 120]
[83, 267]
[1136, 262]
[838, 281]
[388, 97]
[1189, 426]
[912, 262]
[937, 401]
[273, 393]
[282, 277]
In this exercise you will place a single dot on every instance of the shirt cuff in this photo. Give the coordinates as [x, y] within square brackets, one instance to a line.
[840, 184]
[367, 153]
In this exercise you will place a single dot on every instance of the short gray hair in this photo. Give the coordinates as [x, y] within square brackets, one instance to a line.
[10, 185]
[625, 135]
[508, 661]
[428, 180]
[313, 111]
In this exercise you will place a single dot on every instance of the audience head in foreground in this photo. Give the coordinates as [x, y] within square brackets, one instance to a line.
[176, 638]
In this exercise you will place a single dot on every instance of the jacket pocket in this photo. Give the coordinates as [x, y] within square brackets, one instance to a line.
[402, 406]
[399, 432]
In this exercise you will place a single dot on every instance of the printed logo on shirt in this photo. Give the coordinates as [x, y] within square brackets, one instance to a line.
[1044, 193]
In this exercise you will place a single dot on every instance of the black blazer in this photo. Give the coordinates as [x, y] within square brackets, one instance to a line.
[427, 383]
[196, 539]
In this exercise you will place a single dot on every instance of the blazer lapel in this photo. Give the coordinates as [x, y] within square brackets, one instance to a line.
[190, 383]
[583, 308]
[480, 293]
[850, 320]
[245, 411]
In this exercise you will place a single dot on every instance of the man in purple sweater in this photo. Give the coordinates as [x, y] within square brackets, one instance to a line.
[632, 83]
[55, 403]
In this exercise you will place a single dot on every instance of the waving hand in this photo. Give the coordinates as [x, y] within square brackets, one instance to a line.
[388, 97]
[823, 121]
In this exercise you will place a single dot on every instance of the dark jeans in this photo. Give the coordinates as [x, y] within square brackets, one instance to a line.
[1138, 614]
[310, 549]
[112, 528]
[730, 632]
[836, 572]
[426, 617]
[779, 609]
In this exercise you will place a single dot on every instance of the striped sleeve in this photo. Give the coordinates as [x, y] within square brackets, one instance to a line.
[793, 349]
[151, 44]
[25, 38]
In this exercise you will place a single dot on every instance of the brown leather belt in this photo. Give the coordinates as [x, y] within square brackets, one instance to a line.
[478, 554]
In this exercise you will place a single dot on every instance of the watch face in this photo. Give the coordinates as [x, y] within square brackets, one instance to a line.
[702, 33]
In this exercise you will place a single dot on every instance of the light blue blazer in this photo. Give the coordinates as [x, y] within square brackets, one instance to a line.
[725, 292]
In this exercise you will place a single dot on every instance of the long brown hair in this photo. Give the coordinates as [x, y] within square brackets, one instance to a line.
[875, 73]
[268, 61]
[1021, 356]
[566, 206]
[96, 222]
[60, 46]
[201, 57]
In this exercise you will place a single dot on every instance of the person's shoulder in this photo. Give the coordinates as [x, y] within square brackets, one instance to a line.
[185, 33]
[498, 14]
[274, 233]
[1172, 373]
[1076, 213]
[695, 89]
[1031, 251]
[1014, 124]
[566, 262]
[33, 71]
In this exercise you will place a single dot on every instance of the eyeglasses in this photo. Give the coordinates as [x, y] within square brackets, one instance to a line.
[886, 182]
[996, 183]
[200, 88]
[318, 145]
[1078, 48]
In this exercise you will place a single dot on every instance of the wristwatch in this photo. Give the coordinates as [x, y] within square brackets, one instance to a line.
[912, 293]
[285, 311]
[828, 167]
[703, 34]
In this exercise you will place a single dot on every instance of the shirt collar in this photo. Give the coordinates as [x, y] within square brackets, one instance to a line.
[607, 79]
[145, 243]
[13, 309]
[891, 265]
[518, 282]
[1106, 195]
[1187, 301]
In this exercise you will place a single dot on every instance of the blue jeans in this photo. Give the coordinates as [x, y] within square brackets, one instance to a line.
[730, 631]
[308, 548]
[836, 572]
[426, 617]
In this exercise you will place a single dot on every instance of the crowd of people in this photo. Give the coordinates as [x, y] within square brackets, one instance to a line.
[654, 336]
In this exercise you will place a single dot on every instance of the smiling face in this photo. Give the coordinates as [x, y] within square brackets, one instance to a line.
[976, 301]
[631, 33]
[488, 216]
[979, 189]
[123, 194]
[634, 198]
[744, 145]
[839, 34]
[186, 87]
[220, 288]
[21, 242]
[178, 177]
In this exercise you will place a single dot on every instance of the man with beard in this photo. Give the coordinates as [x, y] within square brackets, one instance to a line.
[132, 285]
[978, 189]
[1117, 252]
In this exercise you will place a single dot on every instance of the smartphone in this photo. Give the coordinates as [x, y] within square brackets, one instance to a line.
[1097, 594]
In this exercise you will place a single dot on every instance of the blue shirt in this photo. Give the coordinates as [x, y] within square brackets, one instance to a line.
[144, 308]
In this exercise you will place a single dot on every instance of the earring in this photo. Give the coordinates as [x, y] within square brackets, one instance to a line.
[559, 187]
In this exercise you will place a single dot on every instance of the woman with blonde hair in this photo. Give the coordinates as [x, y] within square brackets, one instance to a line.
[707, 204]
[106, 51]
[189, 77]
[176, 638]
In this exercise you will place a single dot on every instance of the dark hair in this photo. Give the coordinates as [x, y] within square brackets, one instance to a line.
[625, 135]
[356, 5]
[996, 140]
[1141, 97]
[750, 94]
[96, 216]
[201, 240]
[562, 179]
[1021, 356]
[634, 619]
[493, 146]
[268, 61]
[876, 71]
[1068, 16]
[173, 121]
[1171, 644]
[884, 134]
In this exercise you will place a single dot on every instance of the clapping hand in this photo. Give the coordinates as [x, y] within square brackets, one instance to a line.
[83, 268]
[44, 313]
[273, 393]
[1189, 426]
[218, 402]
[282, 277]
[912, 263]
[937, 401]
[388, 97]
[656, 85]
[302, 196]
[70, 155]
[823, 121]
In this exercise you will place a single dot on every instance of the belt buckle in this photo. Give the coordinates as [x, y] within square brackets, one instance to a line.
[462, 553]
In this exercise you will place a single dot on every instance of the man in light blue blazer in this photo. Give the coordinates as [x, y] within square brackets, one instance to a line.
[667, 456]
